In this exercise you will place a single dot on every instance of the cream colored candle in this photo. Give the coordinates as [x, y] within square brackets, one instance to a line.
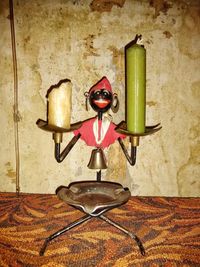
[59, 105]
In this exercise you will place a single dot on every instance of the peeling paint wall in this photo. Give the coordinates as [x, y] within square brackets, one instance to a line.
[83, 41]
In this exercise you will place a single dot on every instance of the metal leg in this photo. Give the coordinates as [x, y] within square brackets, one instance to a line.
[133, 236]
[62, 231]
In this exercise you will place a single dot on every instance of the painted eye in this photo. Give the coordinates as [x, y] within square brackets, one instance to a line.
[105, 93]
[97, 92]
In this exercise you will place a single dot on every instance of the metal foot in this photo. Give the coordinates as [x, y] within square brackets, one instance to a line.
[133, 236]
[62, 231]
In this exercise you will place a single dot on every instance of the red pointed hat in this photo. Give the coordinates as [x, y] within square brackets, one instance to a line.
[101, 84]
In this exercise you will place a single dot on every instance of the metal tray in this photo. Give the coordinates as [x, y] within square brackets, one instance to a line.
[122, 128]
[94, 197]
[52, 128]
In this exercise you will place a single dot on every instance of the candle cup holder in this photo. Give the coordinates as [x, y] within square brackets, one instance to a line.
[55, 129]
[122, 128]
[134, 137]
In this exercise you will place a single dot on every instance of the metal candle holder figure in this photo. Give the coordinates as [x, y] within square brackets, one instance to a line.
[100, 132]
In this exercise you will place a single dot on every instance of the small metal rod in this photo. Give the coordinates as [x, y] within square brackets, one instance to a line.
[62, 231]
[133, 154]
[61, 156]
[99, 176]
[132, 158]
[133, 236]
[100, 115]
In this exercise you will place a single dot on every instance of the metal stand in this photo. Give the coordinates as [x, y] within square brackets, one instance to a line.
[86, 218]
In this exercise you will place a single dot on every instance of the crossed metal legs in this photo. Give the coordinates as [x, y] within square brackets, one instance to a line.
[62, 231]
[133, 236]
[84, 219]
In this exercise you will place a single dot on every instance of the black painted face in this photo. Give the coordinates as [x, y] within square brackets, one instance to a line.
[101, 100]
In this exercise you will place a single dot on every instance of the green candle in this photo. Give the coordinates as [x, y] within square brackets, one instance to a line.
[136, 88]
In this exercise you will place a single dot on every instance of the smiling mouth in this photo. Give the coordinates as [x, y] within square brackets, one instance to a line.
[101, 103]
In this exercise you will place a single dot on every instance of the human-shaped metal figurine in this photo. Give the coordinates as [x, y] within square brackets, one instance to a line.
[98, 131]
[95, 198]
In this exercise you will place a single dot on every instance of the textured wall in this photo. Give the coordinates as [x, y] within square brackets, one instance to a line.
[83, 41]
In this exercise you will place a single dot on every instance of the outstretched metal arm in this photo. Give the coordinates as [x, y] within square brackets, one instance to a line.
[131, 158]
[61, 156]
[134, 138]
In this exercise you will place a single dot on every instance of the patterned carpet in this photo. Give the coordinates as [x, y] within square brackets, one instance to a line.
[168, 227]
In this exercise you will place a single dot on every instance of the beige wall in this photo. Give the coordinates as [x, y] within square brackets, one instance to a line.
[83, 41]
